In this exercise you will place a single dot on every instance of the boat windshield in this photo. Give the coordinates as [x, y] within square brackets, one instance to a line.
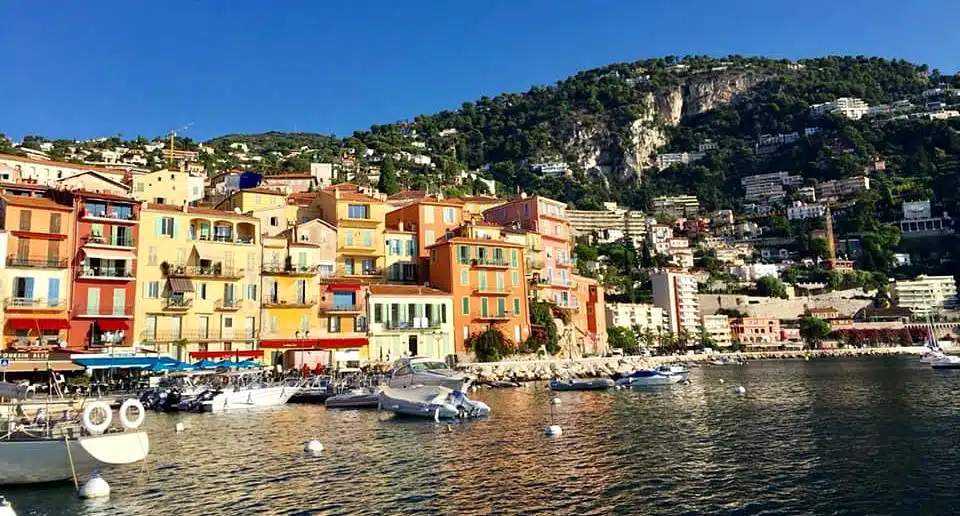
[420, 367]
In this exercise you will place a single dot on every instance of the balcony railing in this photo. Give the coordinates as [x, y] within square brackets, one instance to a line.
[495, 317]
[293, 270]
[205, 271]
[341, 309]
[39, 262]
[108, 214]
[492, 290]
[277, 302]
[411, 325]
[33, 303]
[359, 272]
[567, 262]
[490, 262]
[554, 282]
[569, 304]
[104, 273]
[82, 310]
[228, 304]
[177, 303]
[225, 239]
[124, 241]
[213, 334]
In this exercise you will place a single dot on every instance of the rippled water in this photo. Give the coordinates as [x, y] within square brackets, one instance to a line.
[871, 436]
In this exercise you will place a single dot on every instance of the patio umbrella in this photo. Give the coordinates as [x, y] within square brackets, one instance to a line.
[249, 364]
[205, 364]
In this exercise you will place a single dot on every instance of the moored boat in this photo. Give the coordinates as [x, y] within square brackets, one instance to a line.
[413, 371]
[650, 378]
[356, 398]
[572, 384]
[316, 389]
[232, 391]
[431, 401]
[947, 362]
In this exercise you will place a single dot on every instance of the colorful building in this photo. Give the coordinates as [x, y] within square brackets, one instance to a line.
[104, 285]
[401, 264]
[485, 276]
[171, 187]
[756, 333]
[323, 236]
[198, 277]
[410, 319]
[359, 219]
[40, 241]
[253, 199]
[430, 218]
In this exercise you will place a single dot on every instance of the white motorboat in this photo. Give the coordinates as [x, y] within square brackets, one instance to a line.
[650, 378]
[43, 449]
[431, 401]
[234, 391]
[931, 356]
[356, 398]
[674, 369]
[413, 371]
[947, 362]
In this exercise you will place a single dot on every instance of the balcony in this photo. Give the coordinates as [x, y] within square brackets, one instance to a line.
[105, 273]
[272, 269]
[177, 303]
[357, 272]
[276, 302]
[359, 248]
[570, 304]
[567, 262]
[358, 222]
[123, 241]
[490, 263]
[228, 305]
[12, 304]
[341, 309]
[411, 325]
[492, 291]
[214, 271]
[37, 262]
[560, 217]
[104, 213]
[552, 282]
[211, 335]
[494, 317]
[122, 312]
[534, 263]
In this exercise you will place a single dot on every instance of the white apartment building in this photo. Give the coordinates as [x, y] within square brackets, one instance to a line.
[755, 271]
[677, 205]
[850, 107]
[665, 160]
[630, 315]
[717, 327]
[926, 294]
[610, 224]
[800, 211]
[918, 220]
[47, 173]
[552, 169]
[676, 293]
[658, 238]
[836, 189]
[764, 192]
[807, 193]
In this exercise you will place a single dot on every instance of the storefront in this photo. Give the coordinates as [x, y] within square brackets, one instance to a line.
[333, 353]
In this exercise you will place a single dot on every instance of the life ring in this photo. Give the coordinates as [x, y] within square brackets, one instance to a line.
[138, 420]
[89, 425]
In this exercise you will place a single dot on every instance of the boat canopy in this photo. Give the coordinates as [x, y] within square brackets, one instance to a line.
[643, 373]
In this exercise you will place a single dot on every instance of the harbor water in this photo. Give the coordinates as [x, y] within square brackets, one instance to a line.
[854, 436]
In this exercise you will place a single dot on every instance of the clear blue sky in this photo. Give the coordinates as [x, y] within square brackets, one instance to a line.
[96, 68]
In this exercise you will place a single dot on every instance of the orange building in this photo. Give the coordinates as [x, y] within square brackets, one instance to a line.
[485, 275]
[36, 280]
[430, 219]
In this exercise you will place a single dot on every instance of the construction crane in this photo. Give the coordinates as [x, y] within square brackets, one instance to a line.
[173, 136]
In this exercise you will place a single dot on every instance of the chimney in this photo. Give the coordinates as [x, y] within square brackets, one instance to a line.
[186, 207]
[400, 225]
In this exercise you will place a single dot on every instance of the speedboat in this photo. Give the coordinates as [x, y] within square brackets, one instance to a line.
[599, 384]
[172, 391]
[431, 401]
[240, 391]
[675, 370]
[947, 362]
[931, 356]
[356, 398]
[50, 450]
[317, 389]
[724, 361]
[650, 378]
[412, 371]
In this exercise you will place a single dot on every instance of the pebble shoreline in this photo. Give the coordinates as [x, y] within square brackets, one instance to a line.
[597, 367]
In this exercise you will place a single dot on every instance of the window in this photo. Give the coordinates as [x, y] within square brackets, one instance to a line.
[274, 221]
[429, 237]
[513, 257]
[483, 279]
[274, 324]
[25, 216]
[483, 307]
[153, 290]
[464, 276]
[53, 292]
[357, 211]
[304, 323]
[360, 324]
[343, 299]
[227, 322]
[367, 238]
[119, 301]
[463, 254]
[411, 248]
[500, 287]
[333, 324]
[378, 313]
[348, 239]
[55, 223]
[93, 301]
[443, 313]
[498, 255]
[204, 326]
[501, 307]
[449, 216]
[515, 277]
[202, 292]
[465, 305]
[252, 292]
[140, 186]
[526, 210]
[166, 227]
[516, 306]
[428, 214]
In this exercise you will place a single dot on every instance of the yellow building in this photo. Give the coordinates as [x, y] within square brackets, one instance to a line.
[198, 278]
[171, 187]
[359, 219]
[475, 205]
[253, 199]
[400, 262]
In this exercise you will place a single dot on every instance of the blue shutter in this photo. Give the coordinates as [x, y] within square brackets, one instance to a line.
[28, 288]
[53, 291]
[158, 226]
[175, 227]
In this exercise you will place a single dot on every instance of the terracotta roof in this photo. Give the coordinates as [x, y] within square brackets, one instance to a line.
[261, 190]
[353, 196]
[408, 195]
[405, 290]
[61, 164]
[42, 203]
[341, 186]
[108, 196]
[482, 199]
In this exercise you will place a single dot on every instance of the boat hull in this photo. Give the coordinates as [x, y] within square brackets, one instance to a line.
[428, 403]
[581, 385]
[366, 400]
[249, 398]
[35, 461]
[651, 381]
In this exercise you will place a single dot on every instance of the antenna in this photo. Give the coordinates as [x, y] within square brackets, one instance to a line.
[173, 135]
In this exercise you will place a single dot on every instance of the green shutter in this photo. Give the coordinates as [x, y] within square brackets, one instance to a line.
[466, 306]
[158, 226]
[175, 225]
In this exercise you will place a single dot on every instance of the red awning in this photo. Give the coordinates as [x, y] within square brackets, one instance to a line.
[41, 324]
[350, 342]
[343, 286]
[248, 353]
[112, 324]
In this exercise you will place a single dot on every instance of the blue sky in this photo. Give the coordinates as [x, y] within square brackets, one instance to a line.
[95, 68]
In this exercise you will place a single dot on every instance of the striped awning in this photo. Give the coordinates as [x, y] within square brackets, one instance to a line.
[180, 285]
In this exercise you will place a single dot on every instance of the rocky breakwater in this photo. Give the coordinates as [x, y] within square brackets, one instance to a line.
[537, 370]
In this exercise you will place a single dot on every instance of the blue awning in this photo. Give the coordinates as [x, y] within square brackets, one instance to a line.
[124, 362]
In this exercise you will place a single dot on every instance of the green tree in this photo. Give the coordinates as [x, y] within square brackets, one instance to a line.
[541, 315]
[490, 345]
[623, 338]
[388, 183]
[770, 286]
[814, 330]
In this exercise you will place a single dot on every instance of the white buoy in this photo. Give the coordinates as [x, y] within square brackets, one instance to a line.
[96, 487]
[553, 430]
[313, 446]
[6, 509]
[554, 401]
[179, 428]
[721, 380]
[618, 387]
[741, 389]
